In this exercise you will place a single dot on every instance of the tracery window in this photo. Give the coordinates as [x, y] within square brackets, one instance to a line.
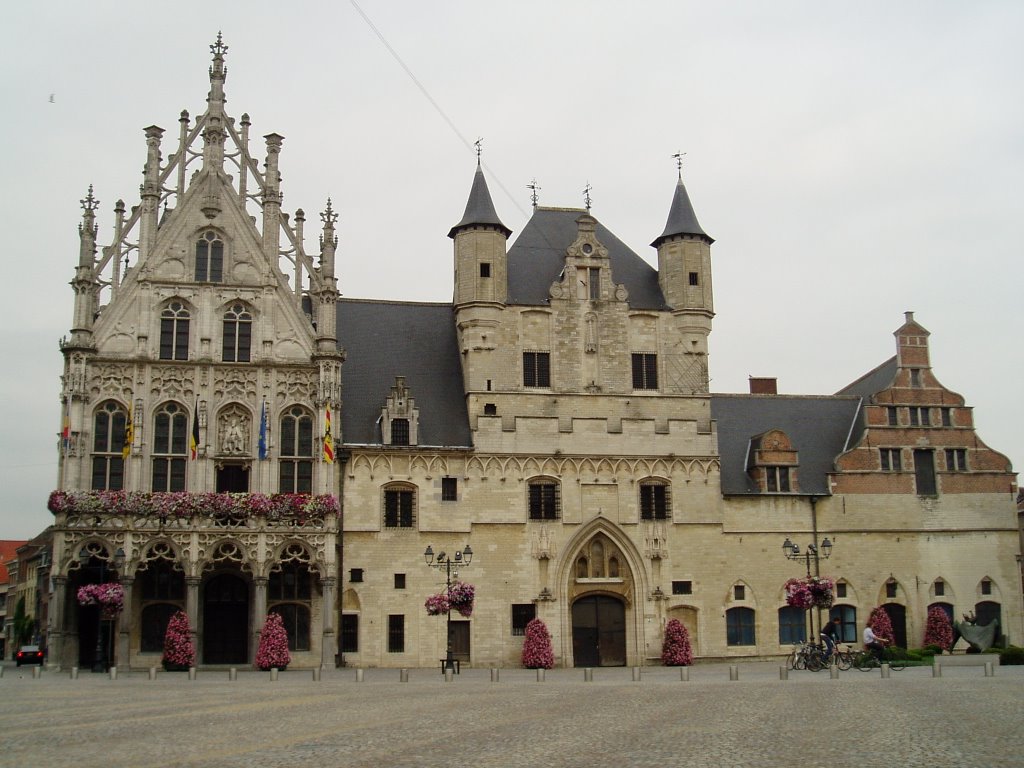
[209, 258]
[174, 332]
[170, 446]
[237, 335]
[296, 464]
[107, 446]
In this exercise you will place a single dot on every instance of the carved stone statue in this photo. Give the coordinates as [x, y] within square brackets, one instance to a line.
[234, 433]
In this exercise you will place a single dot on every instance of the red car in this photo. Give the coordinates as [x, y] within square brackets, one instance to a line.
[29, 654]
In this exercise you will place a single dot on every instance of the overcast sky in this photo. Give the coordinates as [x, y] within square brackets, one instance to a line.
[852, 161]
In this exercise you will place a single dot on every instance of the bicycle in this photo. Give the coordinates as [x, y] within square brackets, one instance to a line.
[865, 659]
[809, 656]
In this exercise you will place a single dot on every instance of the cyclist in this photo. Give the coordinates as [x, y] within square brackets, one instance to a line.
[832, 635]
[874, 642]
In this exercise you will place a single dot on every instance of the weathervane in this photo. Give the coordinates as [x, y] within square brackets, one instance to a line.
[679, 163]
[533, 187]
[586, 196]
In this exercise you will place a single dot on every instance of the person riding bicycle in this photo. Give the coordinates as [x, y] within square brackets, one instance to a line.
[832, 635]
[874, 642]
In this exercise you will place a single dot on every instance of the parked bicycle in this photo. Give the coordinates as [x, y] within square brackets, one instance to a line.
[809, 656]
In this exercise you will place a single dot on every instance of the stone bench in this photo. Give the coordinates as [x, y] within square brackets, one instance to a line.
[968, 660]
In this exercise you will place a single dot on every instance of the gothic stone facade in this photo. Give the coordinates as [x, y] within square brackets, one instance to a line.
[555, 416]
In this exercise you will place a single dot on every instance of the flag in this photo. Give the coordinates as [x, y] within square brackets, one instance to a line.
[193, 442]
[129, 435]
[65, 429]
[328, 440]
[263, 431]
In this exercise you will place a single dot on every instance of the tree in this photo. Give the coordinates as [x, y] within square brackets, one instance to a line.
[880, 624]
[179, 652]
[675, 649]
[537, 653]
[23, 624]
[273, 647]
[938, 630]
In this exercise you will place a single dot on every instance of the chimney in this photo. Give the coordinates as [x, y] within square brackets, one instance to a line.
[761, 385]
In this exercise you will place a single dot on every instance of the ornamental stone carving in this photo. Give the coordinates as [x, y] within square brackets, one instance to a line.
[234, 430]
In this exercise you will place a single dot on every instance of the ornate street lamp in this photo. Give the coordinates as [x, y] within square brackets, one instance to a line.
[824, 552]
[447, 564]
[99, 663]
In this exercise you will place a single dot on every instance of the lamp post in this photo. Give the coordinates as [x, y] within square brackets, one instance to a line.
[824, 552]
[447, 564]
[99, 663]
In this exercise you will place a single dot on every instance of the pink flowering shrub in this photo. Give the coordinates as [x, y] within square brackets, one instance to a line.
[880, 624]
[537, 653]
[179, 652]
[938, 630]
[675, 649]
[273, 647]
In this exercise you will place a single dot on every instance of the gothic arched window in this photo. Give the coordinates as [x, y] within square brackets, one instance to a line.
[174, 332]
[170, 445]
[107, 445]
[237, 334]
[296, 465]
[209, 258]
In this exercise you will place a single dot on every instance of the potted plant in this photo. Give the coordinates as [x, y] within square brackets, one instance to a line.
[537, 653]
[179, 652]
[273, 648]
[675, 649]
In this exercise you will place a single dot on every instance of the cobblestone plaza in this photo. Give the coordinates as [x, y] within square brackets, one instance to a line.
[962, 718]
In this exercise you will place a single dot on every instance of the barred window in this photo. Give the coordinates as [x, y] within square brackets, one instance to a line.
[399, 431]
[449, 489]
[170, 445]
[536, 369]
[396, 633]
[399, 507]
[645, 370]
[107, 445]
[655, 500]
[237, 335]
[544, 501]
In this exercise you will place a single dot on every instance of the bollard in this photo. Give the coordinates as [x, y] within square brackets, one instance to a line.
[403, 675]
[317, 671]
[734, 672]
[495, 675]
[191, 673]
[113, 673]
[359, 675]
[588, 675]
[449, 675]
[833, 672]
[990, 669]
[540, 675]
[936, 669]
[783, 672]
[636, 674]
[152, 673]
[2, 670]
[37, 672]
[684, 674]
[74, 673]
[885, 670]
[233, 674]
[273, 674]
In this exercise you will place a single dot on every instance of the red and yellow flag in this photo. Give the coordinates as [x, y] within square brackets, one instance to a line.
[328, 440]
[129, 435]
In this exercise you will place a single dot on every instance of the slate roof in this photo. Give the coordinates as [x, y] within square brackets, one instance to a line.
[873, 381]
[385, 339]
[479, 207]
[537, 258]
[681, 218]
[818, 427]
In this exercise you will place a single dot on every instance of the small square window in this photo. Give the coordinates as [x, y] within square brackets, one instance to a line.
[490, 409]
[739, 592]
[682, 587]
[485, 269]
[355, 575]
[841, 589]
[890, 589]
[522, 614]
[694, 278]
[399, 581]
[449, 489]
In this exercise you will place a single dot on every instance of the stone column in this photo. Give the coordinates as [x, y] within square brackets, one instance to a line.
[327, 641]
[55, 640]
[192, 609]
[259, 614]
[124, 626]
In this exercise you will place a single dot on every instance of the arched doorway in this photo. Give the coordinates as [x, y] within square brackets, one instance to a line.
[898, 618]
[599, 631]
[226, 620]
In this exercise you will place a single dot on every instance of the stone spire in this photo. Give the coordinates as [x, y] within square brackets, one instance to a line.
[681, 218]
[479, 209]
[218, 74]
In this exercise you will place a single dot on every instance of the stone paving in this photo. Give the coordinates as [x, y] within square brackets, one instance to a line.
[911, 719]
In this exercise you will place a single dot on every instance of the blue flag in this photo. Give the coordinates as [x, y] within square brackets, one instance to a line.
[263, 431]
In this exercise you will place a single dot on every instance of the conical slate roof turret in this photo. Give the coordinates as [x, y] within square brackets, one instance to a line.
[681, 218]
[479, 208]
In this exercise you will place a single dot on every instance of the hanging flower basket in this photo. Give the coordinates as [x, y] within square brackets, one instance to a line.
[810, 592]
[437, 605]
[110, 597]
[461, 597]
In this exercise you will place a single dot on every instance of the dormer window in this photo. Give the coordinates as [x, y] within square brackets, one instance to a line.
[774, 463]
[209, 258]
[399, 418]
[399, 432]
